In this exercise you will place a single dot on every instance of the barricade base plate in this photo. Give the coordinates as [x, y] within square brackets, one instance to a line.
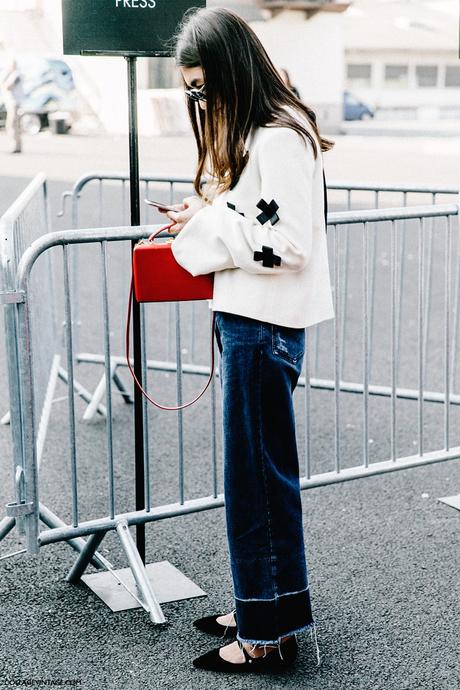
[168, 583]
[452, 501]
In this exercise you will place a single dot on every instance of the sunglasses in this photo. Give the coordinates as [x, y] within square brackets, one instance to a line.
[196, 94]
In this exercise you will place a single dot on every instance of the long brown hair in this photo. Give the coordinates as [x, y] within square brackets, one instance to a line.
[243, 89]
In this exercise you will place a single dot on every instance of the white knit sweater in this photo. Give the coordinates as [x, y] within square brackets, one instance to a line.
[265, 239]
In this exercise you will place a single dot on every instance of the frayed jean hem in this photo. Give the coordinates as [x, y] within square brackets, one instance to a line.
[277, 596]
[262, 642]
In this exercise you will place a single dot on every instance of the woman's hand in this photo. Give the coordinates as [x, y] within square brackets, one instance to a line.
[185, 211]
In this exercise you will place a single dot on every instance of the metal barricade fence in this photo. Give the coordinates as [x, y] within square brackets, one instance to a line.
[381, 195]
[111, 213]
[371, 194]
[28, 219]
[427, 379]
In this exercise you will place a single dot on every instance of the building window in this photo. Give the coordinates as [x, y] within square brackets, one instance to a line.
[426, 75]
[397, 76]
[453, 75]
[359, 76]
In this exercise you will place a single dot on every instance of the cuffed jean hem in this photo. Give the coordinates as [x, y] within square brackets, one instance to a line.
[271, 619]
[278, 640]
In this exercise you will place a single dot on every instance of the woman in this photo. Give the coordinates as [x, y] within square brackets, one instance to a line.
[12, 90]
[259, 225]
[286, 77]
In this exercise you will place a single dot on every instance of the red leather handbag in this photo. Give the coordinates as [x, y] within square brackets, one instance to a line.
[157, 277]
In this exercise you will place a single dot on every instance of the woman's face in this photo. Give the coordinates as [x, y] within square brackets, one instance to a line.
[193, 77]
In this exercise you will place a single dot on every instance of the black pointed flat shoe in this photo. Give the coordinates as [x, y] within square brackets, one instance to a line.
[273, 662]
[209, 624]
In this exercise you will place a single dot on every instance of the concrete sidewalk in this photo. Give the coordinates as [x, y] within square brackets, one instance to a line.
[389, 159]
[403, 128]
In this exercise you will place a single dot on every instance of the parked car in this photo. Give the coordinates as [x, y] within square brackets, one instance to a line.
[49, 87]
[354, 109]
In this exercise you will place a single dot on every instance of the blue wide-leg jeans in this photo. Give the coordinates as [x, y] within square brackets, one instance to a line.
[260, 366]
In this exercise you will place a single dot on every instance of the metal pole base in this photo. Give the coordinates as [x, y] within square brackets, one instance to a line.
[452, 501]
[141, 586]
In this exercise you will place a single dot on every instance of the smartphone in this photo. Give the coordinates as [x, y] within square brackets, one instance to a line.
[159, 204]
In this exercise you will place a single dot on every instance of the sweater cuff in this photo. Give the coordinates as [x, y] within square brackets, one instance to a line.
[198, 248]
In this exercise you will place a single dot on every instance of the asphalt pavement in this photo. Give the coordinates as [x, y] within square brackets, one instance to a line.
[383, 553]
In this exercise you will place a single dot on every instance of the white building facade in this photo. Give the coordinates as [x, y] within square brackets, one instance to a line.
[402, 57]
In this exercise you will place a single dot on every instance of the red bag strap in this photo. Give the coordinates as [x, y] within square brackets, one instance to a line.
[154, 234]
[128, 327]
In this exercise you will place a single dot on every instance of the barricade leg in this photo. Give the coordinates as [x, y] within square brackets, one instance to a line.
[139, 574]
[99, 393]
[78, 543]
[85, 557]
[52, 521]
[121, 387]
[97, 396]
[6, 525]
[82, 392]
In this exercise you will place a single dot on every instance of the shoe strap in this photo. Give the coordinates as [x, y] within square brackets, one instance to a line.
[250, 658]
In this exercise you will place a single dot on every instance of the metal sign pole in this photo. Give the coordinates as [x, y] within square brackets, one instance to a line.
[134, 185]
[129, 30]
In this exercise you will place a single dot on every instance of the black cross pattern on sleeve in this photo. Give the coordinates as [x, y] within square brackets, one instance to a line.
[268, 258]
[233, 207]
[269, 212]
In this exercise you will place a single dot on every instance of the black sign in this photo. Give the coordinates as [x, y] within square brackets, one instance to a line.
[122, 27]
